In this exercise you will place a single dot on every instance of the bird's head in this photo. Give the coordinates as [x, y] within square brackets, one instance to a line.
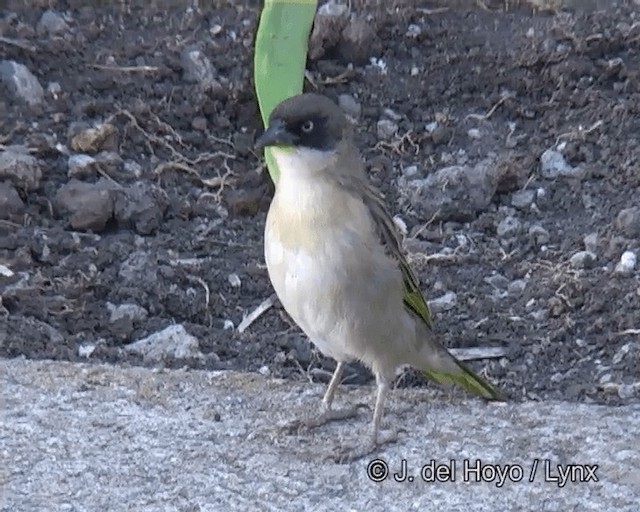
[307, 131]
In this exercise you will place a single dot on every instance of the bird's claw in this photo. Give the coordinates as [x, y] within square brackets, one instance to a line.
[327, 416]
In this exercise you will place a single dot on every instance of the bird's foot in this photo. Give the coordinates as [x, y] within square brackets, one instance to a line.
[348, 454]
[326, 416]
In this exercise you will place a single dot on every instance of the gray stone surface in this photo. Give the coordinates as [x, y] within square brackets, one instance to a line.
[82, 437]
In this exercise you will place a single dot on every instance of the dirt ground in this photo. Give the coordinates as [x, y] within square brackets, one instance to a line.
[185, 196]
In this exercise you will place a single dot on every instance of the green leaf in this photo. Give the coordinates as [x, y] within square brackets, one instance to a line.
[281, 56]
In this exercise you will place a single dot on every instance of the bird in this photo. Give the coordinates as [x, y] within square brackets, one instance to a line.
[336, 261]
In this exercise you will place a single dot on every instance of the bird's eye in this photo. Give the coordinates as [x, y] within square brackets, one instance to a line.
[307, 126]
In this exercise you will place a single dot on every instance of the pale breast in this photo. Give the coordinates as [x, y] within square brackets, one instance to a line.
[331, 274]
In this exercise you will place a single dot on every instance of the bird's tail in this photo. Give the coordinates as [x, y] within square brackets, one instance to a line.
[442, 367]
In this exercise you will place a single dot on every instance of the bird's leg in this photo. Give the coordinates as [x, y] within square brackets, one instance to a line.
[327, 414]
[345, 455]
[378, 411]
[327, 399]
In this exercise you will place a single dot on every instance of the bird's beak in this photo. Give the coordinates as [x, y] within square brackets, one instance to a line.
[275, 135]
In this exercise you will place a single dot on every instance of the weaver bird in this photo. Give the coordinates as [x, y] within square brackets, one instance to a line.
[335, 258]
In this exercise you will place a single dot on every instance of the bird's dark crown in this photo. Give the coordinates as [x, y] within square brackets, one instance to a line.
[310, 120]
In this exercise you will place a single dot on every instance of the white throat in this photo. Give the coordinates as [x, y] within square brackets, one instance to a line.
[302, 163]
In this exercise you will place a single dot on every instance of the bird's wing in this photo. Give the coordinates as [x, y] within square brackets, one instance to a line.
[448, 370]
[390, 239]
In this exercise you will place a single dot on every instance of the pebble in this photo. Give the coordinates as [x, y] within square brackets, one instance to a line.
[474, 133]
[386, 129]
[54, 88]
[622, 353]
[391, 114]
[350, 105]
[445, 303]
[508, 227]
[173, 342]
[455, 193]
[591, 242]
[132, 312]
[523, 199]
[141, 206]
[197, 68]
[52, 23]
[89, 206]
[553, 165]
[627, 263]
[81, 166]
[21, 82]
[583, 259]
[628, 222]
[10, 202]
[234, 280]
[517, 287]
[497, 281]
[93, 140]
[20, 168]
[626, 391]
[538, 235]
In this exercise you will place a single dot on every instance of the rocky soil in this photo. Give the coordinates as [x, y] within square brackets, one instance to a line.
[505, 139]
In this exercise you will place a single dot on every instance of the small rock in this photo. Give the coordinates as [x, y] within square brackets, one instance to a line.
[264, 370]
[431, 127]
[410, 171]
[583, 259]
[131, 312]
[445, 303]
[94, 140]
[440, 135]
[244, 201]
[627, 263]
[523, 199]
[591, 242]
[389, 113]
[328, 25]
[413, 31]
[10, 202]
[21, 82]
[199, 123]
[553, 165]
[81, 166]
[52, 23]
[88, 205]
[350, 106]
[20, 168]
[538, 235]
[234, 280]
[509, 226]
[133, 168]
[141, 206]
[497, 281]
[627, 222]
[174, 342]
[110, 161]
[454, 193]
[626, 391]
[622, 353]
[243, 142]
[516, 287]
[359, 41]
[386, 129]
[86, 349]
[198, 69]
[474, 133]
[54, 88]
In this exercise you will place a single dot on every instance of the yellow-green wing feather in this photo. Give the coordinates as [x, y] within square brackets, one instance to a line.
[415, 302]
